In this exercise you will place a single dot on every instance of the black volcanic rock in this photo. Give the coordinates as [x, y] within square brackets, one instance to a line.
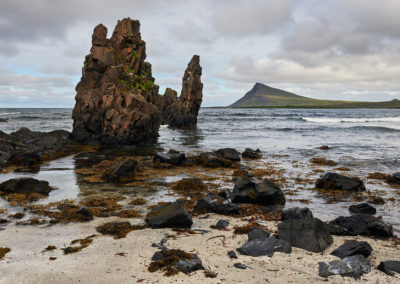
[169, 215]
[336, 181]
[362, 224]
[257, 191]
[362, 208]
[308, 234]
[182, 111]
[352, 247]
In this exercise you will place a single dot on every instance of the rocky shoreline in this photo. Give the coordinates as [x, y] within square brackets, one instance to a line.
[253, 207]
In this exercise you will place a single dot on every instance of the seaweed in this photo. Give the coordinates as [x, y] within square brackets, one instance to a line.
[4, 251]
[127, 213]
[118, 229]
[18, 215]
[83, 243]
[138, 201]
[168, 259]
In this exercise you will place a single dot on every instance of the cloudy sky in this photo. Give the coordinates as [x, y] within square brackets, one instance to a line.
[342, 49]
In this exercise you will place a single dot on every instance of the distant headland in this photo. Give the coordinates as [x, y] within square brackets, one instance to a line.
[263, 96]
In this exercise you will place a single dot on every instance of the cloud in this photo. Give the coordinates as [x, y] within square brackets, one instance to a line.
[327, 49]
[242, 18]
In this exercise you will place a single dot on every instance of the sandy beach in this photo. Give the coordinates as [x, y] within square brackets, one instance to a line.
[126, 260]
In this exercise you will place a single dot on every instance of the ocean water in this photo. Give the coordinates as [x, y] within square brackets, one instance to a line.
[364, 140]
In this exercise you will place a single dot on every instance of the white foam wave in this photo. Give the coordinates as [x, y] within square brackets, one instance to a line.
[9, 113]
[350, 120]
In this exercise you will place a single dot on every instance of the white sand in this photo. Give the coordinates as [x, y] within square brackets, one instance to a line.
[99, 263]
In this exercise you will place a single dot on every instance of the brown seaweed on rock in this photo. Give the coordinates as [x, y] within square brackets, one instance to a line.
[118, 229]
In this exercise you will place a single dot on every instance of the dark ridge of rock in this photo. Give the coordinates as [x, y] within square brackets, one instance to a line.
[257, 191]
[353, 247]
[3, 120]
[265, 246]
[116, 97]
[25, 185]
[251, 154]
[389, 267]
[125, 170]
[365, 225]
[308, 234]
[171, 158]
[335, 181]
[296, 213]
[353, 266]
[169, 215]
[361, 224]
[182, 111]
[362, 208]
[229, 154]
[28, 148]
[216, 204]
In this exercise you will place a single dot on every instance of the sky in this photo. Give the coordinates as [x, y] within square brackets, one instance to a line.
[342, 49]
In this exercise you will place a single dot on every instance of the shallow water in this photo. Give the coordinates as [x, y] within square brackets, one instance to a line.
[364, 140]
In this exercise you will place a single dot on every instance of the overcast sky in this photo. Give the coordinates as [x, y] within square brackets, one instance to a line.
[342, 49]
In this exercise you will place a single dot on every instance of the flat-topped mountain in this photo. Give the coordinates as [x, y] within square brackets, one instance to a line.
[264, 96]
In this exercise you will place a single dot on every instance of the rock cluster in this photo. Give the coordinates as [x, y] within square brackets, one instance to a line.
[117, 101]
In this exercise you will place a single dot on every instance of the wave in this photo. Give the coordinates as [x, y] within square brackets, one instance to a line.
[351, 120]
[9, 113]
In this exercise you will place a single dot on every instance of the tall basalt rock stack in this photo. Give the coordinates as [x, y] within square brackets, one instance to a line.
[183, 111]
[117, 101]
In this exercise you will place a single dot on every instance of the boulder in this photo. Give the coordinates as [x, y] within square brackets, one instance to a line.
[189, 265]
[232, 254]
[257, 191]
[216, 204]
[229, 154]
[389, 267]
[182, 111]
[169, 215]
[352, 266]
[258, 233]
[362, 208]
[265, 246]
[252, 154]
[394, 178]
[308, 234]
[222, 224]
[3, 120]
[30, 148]
[125, 170]
[24, 186]
[335, 181]
[296, 213]
[172, 158]
[353, 247]
[366, 225]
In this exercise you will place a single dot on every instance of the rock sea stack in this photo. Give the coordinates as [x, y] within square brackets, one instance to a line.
[182, 111]
[117, 101]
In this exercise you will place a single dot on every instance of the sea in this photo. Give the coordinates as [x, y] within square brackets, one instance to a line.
[363, 140]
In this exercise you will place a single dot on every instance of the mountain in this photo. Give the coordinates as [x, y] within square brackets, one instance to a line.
[264, 96]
